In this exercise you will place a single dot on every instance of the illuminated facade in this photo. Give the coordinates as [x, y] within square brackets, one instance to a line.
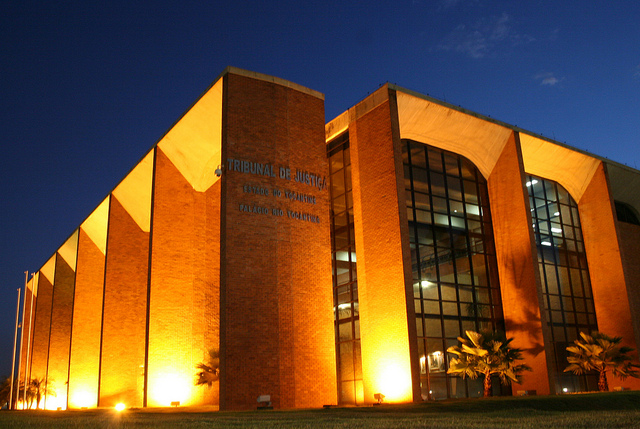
[323, 264]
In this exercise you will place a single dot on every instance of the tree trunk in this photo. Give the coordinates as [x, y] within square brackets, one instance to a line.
[603, 386]
[487, 385]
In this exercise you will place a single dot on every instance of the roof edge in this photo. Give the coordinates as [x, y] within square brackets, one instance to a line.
[272, 79]
[509, 126]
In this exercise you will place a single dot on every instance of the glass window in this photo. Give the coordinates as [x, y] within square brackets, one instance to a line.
[345, 284]
[336, 161]
[435, 160]
[626, 213]
[450, 229]
[420, 180]
[566, 289]
[417, 156]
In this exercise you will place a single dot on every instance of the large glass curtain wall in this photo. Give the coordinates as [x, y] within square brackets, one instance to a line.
[455, 281]
[345, 283]
[567, 299]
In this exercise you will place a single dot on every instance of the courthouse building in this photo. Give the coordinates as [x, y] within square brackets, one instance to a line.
[326, 263]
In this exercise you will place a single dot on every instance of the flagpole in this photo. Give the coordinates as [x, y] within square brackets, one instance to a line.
[24, 308]
[13, 362]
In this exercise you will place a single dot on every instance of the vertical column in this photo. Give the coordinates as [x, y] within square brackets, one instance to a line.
[87, 312]
[382, 264]
[517, 264]
[122, 364]
[184, 307]
[305, 285]
[41, 330]
[276, 294]
[629, 240]
[61, 315]
[26, 336]
[597, 216]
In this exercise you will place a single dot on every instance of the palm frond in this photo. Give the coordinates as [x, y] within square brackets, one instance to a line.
[487, 353]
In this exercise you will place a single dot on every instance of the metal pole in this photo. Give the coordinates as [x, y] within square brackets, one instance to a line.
[24, 307]
[13, 362]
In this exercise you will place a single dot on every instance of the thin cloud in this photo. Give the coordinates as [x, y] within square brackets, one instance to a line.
[637, 73]
[553, 35]
[547, 79]
[449, 4]
[470, 42]
[484, 38]
[500, 29]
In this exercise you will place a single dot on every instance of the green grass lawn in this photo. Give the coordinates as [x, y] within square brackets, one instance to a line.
[594, 410]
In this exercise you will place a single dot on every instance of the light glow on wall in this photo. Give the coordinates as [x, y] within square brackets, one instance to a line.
[56, 402]
[394, 382]
[168, 388]
[82, 399]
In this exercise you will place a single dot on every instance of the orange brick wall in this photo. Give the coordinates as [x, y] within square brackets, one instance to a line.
[184, 302]
[517, 265]
[61, 313]
[629, 240]
[87, 325]
[125, 309]
[406, 249]
[597, 216]
[27, 334]
[276, 294]
[386, 363]
[257, 286]
[42, 326]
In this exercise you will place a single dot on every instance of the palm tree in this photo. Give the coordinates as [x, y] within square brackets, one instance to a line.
[28, 393]
[36, 389]
[5, 391]
[487, 354]
[600, 352]
[209, 372]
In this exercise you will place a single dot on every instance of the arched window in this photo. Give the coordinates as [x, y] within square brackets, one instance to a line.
[455, 281]
[568, 302]
[626, 213]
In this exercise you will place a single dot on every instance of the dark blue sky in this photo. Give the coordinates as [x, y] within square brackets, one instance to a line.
[86, 88]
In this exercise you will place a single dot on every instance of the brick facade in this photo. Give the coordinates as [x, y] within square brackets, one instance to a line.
[27, 332]
[276, 300]
[124, 311]
[606, 266]
[517, 265]
[629, 239]
[219, 240]
[381, 250]
[41, 330]
[183, 314]
[60, 334]
[84, 358]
